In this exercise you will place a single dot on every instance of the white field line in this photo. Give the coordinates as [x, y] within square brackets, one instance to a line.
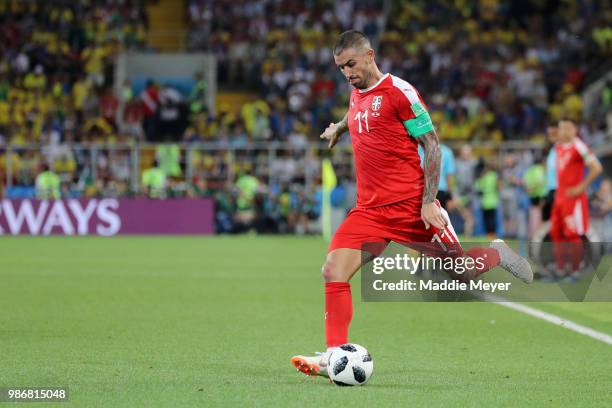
[551, 318]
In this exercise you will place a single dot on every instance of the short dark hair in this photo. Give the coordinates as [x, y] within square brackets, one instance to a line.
[351, 39]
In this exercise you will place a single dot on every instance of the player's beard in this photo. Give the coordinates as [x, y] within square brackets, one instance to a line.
[361, 84]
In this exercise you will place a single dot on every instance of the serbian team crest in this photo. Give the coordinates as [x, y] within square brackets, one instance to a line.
[376, 103]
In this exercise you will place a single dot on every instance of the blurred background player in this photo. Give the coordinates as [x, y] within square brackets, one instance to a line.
[387, 119]
[552, 134]
[570, 213]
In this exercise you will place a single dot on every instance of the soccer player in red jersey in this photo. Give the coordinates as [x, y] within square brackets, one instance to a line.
[570, 212]
[387, 119]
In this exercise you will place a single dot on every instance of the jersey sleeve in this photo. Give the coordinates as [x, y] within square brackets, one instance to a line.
[584, 151]
[412, 111]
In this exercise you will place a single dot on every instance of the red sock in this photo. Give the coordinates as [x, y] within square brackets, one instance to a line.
[576, 255]
[485, 259]
[338, 312]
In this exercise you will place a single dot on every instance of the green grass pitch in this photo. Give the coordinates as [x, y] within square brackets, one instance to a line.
[193, 321]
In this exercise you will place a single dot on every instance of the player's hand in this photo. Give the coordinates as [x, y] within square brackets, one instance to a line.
[331, 134]
[574, 191]
[431, 215]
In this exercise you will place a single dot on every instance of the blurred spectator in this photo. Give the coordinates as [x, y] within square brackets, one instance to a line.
[297, 139]
[261, 126]
[246, 186]
[35, 80]
[154, 182]
[120, 170]
[149, 97]
[28, 168]
[488, 186]
[168, 157]
[510, 191]
[466, 198]
[109, 104]
[602, 211]
[132, 118]
[47, 184]
[249, 112]
[172, 114]
[197, 98]
[534, 180]
[606, 96]
[239, 138]
[466, 173]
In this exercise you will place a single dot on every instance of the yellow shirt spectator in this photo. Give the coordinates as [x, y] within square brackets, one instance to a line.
[94, 59]
[573, 106]
[67, 15]
[79, 93]
[249, 112]
[5, 113]
[309, 38]
[18, 139]
[35, 80]
[65, 164]
[15, 161]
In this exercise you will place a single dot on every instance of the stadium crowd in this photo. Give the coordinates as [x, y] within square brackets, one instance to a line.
[490, 71]
[56, 79]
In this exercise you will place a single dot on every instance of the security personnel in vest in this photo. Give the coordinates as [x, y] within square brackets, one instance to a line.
[154, 182]
[47, 184]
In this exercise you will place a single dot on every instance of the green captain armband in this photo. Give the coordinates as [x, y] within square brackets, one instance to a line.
[421, 123]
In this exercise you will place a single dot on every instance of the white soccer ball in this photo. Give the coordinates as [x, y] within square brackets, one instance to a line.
[350, 364]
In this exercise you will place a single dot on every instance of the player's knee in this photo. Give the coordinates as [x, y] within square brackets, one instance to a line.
[327, 271]
[331, 272]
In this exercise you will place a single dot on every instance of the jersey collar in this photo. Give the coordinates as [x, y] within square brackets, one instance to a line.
[382, 78]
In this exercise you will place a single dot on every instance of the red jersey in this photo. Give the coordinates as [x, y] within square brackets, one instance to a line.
[571, 159]
[386, 153]
[149, 98]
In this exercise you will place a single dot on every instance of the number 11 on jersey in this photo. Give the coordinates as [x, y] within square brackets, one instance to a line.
[358, 118]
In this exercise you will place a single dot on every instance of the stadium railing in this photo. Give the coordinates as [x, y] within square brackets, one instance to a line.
[216, 160]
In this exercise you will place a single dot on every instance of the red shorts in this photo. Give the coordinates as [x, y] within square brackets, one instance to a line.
[570, 218]
[372, 229]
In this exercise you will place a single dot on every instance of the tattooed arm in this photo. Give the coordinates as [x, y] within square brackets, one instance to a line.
[430, 213]
[431, 165]
[335, 130]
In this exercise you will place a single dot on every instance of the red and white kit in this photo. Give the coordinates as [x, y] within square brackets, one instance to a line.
[385, 122]
[390, 179]
[570, 215]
